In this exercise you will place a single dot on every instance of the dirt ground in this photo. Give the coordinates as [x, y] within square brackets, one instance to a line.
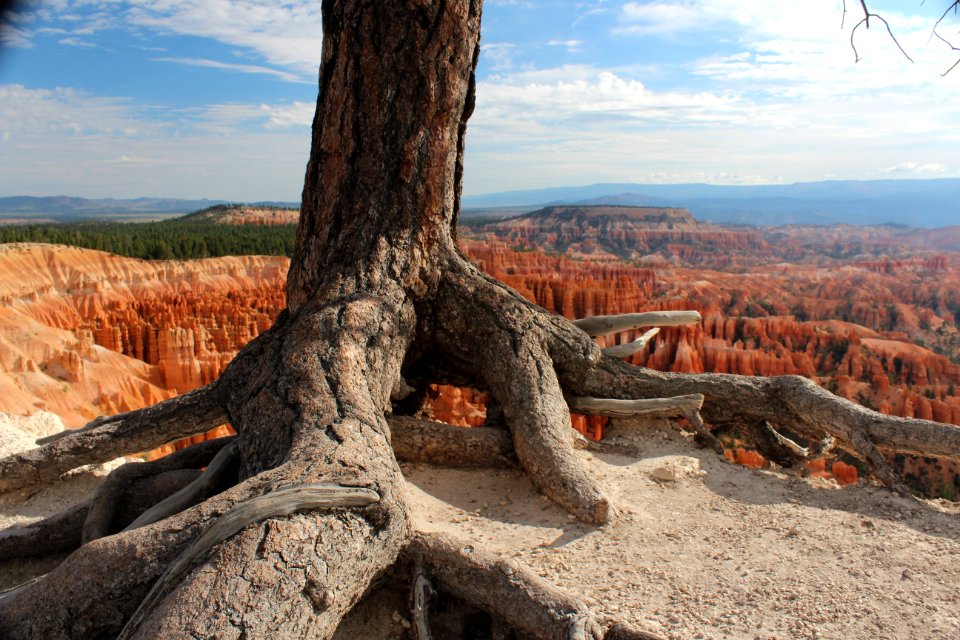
[718, 551]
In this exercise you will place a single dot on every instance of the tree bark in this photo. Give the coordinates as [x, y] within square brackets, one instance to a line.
[377, 292]
[307, 398]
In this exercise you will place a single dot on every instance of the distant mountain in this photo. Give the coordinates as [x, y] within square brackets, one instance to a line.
[918, 203]
[65, 208]
[252, 214]
[652, 234]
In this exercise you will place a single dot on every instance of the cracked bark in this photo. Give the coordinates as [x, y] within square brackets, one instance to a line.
[376, 289]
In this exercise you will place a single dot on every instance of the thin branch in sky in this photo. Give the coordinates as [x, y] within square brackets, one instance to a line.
[866, 22]
[955, 7]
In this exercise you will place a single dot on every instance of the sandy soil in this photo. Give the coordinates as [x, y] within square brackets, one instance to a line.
[719, 551]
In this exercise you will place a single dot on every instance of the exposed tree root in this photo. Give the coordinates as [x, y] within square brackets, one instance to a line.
[507, 590]
[220, 473]
[194, 412]
[792, 402]
[278, 503]
[110, 494]
[415, 440]
[510, 349]
[119, 507]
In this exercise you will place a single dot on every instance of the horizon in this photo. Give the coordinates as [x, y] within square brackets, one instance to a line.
[195, 99]
[531, 189]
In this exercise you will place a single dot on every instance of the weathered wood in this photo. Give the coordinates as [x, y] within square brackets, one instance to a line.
[278, 503]
[111, 493]
[56, 534]
[524, 600]
[64, 531]
[416, 440]
[627, 350]
[185, 415]
[595, 326]
[808, 410]
[774, 445]
[677, 406]
[196, 491]
[511, 351]
[704, 435]
[421, 595]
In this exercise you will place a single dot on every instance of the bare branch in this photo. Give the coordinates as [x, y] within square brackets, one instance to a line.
[949, 44]
[866, 22]
[604, 325]
[627, 350]
[141, 430]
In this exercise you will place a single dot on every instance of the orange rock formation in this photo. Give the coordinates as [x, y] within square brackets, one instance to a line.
[84, 333]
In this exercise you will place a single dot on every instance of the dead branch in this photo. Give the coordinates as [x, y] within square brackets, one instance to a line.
[865, 21]
[185, 415]
[596, 326]
[627, 350]
[510, 591]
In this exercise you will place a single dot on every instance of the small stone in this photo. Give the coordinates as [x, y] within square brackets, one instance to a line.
[663, 474]
[906, 575]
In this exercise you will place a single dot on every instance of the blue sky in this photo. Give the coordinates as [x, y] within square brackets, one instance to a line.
[214, 98]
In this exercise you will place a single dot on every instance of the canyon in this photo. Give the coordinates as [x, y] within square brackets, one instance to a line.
[85, 333]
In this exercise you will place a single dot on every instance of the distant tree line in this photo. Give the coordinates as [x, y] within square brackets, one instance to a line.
[177, 239]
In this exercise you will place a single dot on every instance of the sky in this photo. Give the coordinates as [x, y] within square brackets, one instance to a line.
[214, 98]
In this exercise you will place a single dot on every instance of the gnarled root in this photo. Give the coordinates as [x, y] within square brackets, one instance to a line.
[126, 495]
[123, 434]
[509, 348]
[110, 494]
[507, 590]
[278, 503]
[416, 440]
[792, 401]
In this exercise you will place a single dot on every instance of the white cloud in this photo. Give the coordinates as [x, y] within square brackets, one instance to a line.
[12, 36]
[69, 141]
[243, 68]
[286, 34]
[296, 115]
[572, 46]
[917, 168]
[76, 42]
[660, 18]
[58, 111]
[586, 96]
[579, 124]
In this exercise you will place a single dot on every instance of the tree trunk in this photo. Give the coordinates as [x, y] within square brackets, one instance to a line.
[308, 398]
[378, 296]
